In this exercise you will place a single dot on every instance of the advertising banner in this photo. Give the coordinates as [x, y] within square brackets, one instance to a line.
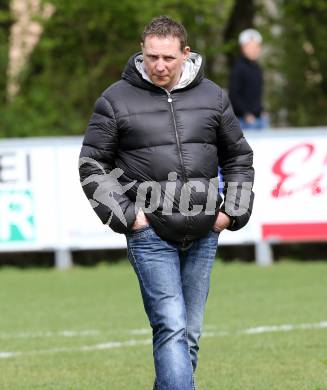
[27, 197]
[43, 207]
[291, 186]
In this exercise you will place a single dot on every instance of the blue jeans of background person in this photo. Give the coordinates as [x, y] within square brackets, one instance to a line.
[260, 123]
[174, 282]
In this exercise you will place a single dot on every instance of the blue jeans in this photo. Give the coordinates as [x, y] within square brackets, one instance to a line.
[260, 123]
[174, 282]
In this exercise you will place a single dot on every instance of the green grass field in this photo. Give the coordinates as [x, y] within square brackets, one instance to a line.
[85, 329]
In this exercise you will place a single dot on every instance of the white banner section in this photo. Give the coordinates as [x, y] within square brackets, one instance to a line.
[43, 207]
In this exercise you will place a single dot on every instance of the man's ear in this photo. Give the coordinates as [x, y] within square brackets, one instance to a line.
[186, 52]
[142, 46]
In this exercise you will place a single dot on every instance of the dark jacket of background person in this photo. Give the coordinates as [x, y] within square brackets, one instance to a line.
[245, 88]
[135, 127]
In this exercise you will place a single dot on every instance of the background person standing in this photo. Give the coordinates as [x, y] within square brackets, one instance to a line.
[246, 83]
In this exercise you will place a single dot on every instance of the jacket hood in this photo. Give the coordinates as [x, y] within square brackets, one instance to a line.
[192, 75]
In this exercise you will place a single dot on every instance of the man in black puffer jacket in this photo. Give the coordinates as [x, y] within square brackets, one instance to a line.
[148, 165]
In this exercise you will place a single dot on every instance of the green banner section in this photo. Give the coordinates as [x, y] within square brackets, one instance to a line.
[17, 220]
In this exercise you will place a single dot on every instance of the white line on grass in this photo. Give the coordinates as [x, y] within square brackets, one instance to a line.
[76, 333]
[284, 328]
[129, 343]
[109, 345]
[62, 333]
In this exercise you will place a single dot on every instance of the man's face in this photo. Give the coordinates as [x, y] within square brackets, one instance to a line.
[251, 49]
[163, 60]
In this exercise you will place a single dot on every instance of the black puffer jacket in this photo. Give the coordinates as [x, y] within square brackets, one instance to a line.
[148, 133]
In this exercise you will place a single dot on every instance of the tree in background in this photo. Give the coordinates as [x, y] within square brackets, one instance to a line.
[85, 45]
[241, 18]
[304, 61]
[25, 34]
[84, 48]
[5, 23]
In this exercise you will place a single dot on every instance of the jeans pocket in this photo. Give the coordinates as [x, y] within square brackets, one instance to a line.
[141, 229]
[141, 232]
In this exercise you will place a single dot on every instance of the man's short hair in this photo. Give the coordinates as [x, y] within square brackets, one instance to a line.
[163, 26]
[249, 35]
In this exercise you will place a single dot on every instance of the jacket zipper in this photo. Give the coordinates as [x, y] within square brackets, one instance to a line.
[170, 101]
